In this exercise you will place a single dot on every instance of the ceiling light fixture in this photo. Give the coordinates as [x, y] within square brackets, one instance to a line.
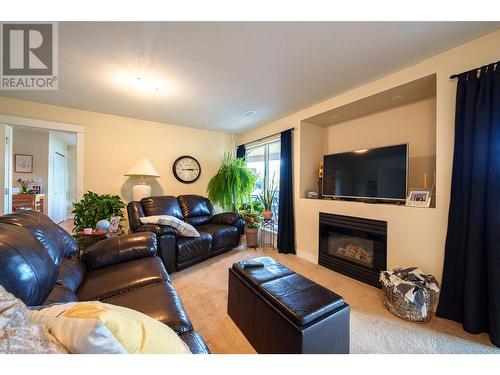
[249, 113]
[144, 85]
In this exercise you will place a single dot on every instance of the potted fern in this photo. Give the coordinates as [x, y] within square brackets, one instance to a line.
[267, 198]
[233, 183]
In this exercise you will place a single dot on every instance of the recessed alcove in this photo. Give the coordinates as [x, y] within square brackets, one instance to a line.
[405, 114]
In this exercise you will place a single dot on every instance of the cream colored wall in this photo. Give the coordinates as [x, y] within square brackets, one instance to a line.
[114, 143]
[415, 236]
[32, 143]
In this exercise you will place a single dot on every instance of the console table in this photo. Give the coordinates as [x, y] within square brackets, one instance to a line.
[33, 202]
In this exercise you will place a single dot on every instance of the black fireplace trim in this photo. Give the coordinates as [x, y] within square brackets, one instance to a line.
[351, 269]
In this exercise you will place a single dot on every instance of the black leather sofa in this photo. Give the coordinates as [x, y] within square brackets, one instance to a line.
[38, 265]
[218, 232]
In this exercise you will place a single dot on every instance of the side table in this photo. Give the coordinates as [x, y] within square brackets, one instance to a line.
[267, 233]
[86, 240]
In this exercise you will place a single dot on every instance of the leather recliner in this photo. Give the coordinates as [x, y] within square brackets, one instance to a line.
[218, 232]
[38, 265]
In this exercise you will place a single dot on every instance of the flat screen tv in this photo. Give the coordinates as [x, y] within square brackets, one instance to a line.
[377, 173]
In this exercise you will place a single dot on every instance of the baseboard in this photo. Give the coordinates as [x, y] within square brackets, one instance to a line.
[307, 256]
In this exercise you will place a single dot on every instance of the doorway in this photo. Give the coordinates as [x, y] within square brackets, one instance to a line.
[50, 160]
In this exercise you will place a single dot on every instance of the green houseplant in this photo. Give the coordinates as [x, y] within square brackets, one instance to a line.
[254, 205]
[252, 224]
[94, 207]
[233, 183]
[267, 198]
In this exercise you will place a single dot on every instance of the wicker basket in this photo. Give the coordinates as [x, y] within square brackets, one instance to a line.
[397, 304]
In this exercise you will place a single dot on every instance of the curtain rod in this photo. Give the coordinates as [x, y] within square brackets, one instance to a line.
[267, 136]
[473, 70]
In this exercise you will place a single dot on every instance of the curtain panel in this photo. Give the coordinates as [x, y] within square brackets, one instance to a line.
[471, 276]
[286, 222]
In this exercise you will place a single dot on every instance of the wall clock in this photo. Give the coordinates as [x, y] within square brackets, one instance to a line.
[186, 169]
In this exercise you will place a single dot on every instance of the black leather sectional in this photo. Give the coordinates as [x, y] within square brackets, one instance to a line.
[38, 265]
[218, 232]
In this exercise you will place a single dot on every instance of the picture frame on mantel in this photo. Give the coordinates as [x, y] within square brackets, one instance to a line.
[419, 198]
[23, 163]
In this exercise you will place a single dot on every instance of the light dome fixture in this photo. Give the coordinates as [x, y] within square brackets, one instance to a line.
[249, 113]
[144, 85]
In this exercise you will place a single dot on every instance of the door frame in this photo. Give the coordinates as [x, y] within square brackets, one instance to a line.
[58, 126]
[52, 159]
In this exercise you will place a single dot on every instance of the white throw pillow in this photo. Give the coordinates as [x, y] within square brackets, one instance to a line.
[100, 328]
[184, 229]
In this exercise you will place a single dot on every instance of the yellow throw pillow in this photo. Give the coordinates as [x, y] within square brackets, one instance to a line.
[95, 327]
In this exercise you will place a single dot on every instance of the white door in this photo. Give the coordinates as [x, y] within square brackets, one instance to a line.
[59, 188]
[5, 169]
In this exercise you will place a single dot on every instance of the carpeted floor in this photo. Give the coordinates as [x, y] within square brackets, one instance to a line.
[203, 289]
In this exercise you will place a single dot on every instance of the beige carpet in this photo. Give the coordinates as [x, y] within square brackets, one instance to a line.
[203, 289]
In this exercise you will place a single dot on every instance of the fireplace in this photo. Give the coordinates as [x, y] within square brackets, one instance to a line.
[353, 246]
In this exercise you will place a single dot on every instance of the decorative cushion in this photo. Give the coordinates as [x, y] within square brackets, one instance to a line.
[184, 229]
[18, 334]
[95, 327]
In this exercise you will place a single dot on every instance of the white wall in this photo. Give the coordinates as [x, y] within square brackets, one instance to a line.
[415, 236]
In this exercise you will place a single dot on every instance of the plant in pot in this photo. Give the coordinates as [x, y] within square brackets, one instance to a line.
[233, 183]
[94, 207]
[267, 198]
[252, 224]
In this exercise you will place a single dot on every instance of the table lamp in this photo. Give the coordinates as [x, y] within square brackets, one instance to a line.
[142, 168]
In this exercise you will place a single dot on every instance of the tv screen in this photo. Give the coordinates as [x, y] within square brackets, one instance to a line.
[371, 173]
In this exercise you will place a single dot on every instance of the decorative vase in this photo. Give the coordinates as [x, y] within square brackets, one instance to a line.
[267, 214]
[251, 235]
[24, 189]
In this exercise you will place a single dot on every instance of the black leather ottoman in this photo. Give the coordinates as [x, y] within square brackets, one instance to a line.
[280, 311]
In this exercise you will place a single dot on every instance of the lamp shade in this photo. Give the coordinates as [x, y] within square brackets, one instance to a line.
[143, 167]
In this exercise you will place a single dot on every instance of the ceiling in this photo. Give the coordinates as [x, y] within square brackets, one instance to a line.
[209, 74]
[408, 93]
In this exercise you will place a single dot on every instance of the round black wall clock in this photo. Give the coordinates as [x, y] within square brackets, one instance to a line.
[186, 169]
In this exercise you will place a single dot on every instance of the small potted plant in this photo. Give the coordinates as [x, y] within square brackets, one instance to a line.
[24, 185]
[252, 224]
[267, 198]
[94, 207]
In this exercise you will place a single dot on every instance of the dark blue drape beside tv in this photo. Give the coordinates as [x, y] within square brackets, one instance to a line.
[241, 151]
[471, 276]
[286, 223]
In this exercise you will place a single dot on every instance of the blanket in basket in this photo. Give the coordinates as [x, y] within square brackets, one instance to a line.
[411, 283]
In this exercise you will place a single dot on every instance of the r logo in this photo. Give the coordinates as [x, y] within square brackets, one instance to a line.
[27, 49]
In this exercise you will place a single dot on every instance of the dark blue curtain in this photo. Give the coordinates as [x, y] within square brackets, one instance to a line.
[241, 151]
[286, 225]
[471, 276]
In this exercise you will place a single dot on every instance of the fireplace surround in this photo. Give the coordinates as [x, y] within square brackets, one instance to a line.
[353, 246]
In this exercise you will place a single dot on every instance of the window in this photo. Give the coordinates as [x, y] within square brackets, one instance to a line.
[264, 161]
